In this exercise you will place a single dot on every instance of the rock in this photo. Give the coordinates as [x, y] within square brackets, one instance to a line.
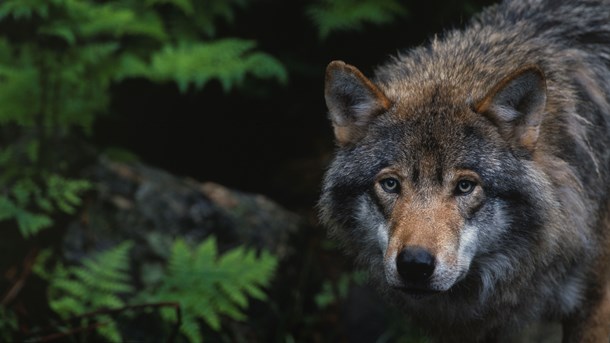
[133, 201]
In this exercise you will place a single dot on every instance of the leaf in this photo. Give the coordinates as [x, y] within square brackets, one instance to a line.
[186, 6]
[8, 324]
[24, 9]
[336, 15]
[30, 223]
[66, 306]
[59, 30]
[19, 93]
[109, 329]
[72, 287]
[6, 154]
[227, 60]
[112, 19]
[208, 285]
[191, 330]
[65, 192]
[32, 149]
[7, 208]
[98, 283]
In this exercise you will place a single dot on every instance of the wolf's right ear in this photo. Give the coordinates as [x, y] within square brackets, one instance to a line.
[516, 105]
[352, 101]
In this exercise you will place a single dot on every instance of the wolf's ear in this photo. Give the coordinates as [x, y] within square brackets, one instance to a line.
[352, 101]
[516, 105]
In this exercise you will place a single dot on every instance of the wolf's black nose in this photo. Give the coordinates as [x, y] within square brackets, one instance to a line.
[415, 266]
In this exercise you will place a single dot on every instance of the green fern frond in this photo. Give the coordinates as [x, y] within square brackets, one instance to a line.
[190, 329]
[205, 13]
[58, 30]
[119, 21]
[226, 60]
[67, 304]
[24, 9]
[8, 324]
[19, 93]
[60, 193]
[65, 193]
[186, 6]
[336, 15]
[98, 283]
[109, 329]
[208, 285]
[29, 223]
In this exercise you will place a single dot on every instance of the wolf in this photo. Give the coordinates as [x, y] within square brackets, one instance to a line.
[471, 174]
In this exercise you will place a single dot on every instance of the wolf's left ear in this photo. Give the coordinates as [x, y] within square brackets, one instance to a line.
[352, 101]
[516, 105]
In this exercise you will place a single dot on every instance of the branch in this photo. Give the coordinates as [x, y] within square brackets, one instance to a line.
[28, 263]
[114, 312]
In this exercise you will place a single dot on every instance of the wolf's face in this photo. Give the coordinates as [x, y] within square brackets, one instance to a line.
[429, 197]
[422, 189]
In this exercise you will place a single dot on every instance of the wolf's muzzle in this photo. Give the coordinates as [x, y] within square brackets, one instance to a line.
[415, 266]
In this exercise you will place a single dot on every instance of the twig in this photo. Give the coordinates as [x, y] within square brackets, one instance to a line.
[106, 311]
[58, 335]
[28, 263]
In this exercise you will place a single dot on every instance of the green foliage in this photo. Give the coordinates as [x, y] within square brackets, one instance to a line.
[336, 15]
[8, 324]
[59, 194]
[228, 60]
[120, 155]
[334, 291]
[19, 9]
[203, 14]
[97, 284]
[208, 285]
[58, 60]
[205, 284]
[55, 79]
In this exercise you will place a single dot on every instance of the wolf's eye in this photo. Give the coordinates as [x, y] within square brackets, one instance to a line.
[464, 187]
[390, 185]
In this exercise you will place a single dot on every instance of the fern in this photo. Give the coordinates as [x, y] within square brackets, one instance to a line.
[336, 290]
[227, 60]
[97, 284]
[29, 223]
[8, 324]
[186, 6]
[64, 193]
[55, 79]
[61, 193]
[57, 194]
[336, 15]
[202, 15]
[24, 9]
[208, 285]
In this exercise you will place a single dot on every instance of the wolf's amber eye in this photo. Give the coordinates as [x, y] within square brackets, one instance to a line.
[464, 187]
[390, 185]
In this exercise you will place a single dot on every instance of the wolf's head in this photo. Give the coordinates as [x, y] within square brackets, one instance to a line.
[427, 181]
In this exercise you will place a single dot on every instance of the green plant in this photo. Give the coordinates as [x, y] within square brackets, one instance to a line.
[58, 59]
[337, 290]
[227, 60]
[341, 15]
[99, 282]
[208, 285]
[8, 324]
[59, 194]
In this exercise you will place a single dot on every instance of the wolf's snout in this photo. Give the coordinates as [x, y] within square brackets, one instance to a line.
[415, 266]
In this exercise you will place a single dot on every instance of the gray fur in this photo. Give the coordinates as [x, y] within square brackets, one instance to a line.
[540, 250]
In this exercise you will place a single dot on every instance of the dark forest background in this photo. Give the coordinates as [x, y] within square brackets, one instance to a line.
[116, 115]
